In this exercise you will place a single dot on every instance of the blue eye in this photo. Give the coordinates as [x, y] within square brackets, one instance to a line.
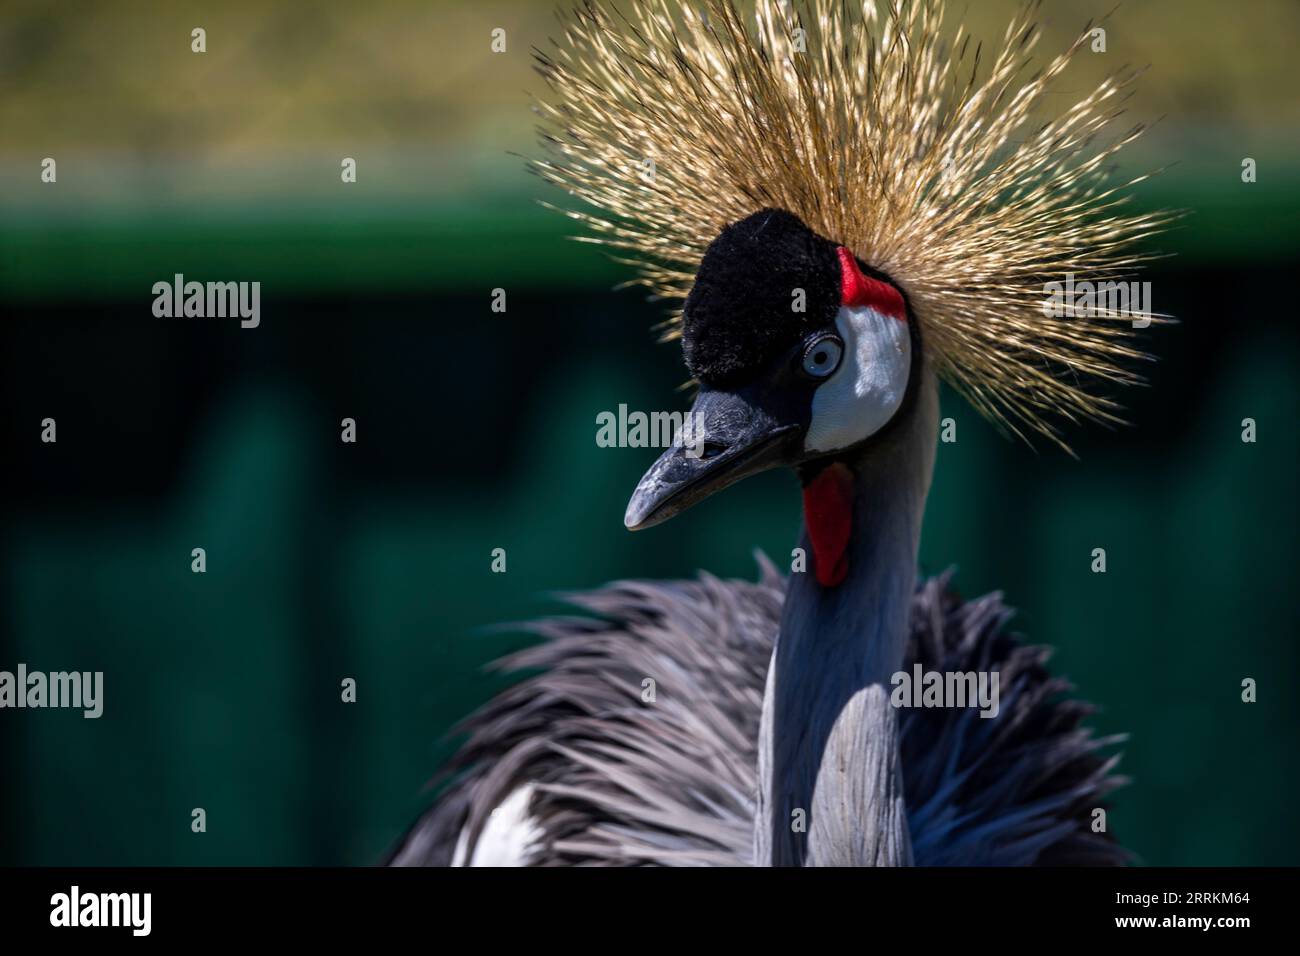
[822, 357]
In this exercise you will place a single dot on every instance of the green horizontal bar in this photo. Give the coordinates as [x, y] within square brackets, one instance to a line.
[318, 248]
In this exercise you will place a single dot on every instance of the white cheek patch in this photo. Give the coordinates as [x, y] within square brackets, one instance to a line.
[868, 387]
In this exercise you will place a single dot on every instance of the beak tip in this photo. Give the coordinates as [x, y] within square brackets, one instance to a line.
[643, 511]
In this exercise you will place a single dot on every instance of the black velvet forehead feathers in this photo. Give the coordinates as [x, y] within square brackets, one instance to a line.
[742, 312]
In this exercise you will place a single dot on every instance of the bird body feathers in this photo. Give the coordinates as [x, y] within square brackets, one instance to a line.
[615, 779]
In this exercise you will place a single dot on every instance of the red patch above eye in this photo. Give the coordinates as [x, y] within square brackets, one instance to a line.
[858, 289]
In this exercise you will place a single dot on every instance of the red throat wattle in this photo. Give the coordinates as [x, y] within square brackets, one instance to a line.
[828, 513]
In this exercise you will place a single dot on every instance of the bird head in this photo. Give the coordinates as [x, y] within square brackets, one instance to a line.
[803, 355]
[876, 133]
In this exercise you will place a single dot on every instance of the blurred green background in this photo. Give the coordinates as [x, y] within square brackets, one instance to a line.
[476, 430]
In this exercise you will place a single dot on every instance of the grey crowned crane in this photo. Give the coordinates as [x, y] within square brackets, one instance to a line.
[850, 206]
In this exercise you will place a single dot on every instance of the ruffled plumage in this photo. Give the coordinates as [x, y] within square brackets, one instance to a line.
[621, 781]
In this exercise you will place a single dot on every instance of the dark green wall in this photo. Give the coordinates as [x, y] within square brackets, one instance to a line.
[476, 431]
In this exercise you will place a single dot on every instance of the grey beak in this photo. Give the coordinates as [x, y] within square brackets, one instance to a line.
[730, 436]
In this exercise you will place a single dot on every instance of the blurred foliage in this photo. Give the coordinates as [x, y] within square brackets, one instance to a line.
[320, 77]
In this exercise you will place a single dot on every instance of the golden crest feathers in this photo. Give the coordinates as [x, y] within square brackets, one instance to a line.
[884, 131]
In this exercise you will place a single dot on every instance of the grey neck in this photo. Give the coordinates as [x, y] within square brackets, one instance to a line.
[830, 790]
